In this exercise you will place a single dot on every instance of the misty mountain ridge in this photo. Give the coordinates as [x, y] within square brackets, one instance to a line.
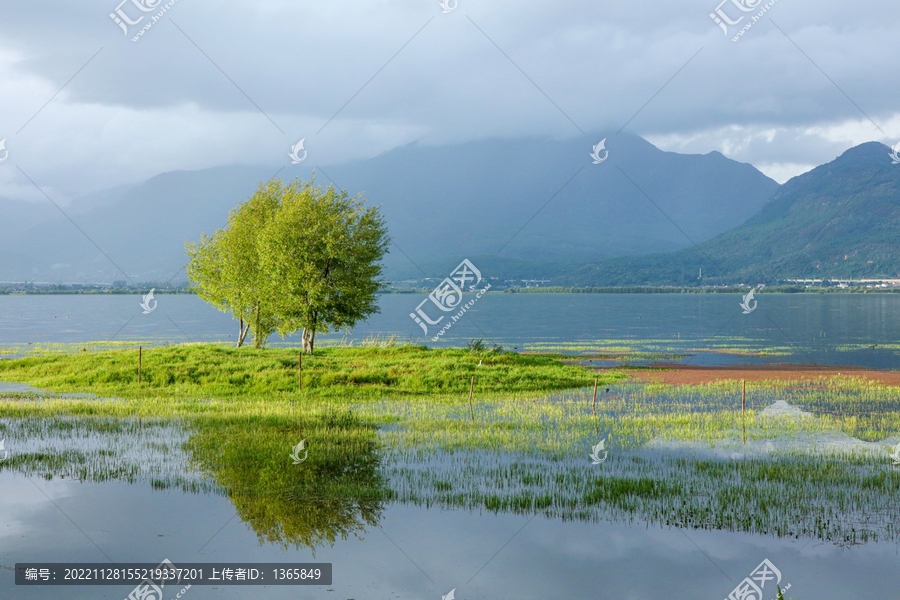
[840, 220]
[545, 201]
[520, 204]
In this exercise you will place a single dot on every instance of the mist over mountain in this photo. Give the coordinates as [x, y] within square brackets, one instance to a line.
[19, 215]
[839, 220]
[544, 202]
[140, 233]
[525, 207]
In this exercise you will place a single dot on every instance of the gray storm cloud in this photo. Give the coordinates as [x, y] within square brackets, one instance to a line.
[85, 107]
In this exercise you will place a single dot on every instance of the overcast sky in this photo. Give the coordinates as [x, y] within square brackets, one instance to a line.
[83, 107]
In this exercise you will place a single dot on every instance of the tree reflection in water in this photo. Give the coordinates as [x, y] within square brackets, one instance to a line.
[337, 491]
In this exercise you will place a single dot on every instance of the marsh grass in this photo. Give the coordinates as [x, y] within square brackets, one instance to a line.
[679, 456]
[99, 449]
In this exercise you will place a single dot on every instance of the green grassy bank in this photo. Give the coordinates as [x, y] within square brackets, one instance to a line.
[193, 371]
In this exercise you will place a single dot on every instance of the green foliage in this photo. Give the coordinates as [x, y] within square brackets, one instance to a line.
[321, 256]
[293, 257]
[475, 346]
[224, 270]
[479, 347]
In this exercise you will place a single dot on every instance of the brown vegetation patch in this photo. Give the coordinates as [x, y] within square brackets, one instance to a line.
[694, 374]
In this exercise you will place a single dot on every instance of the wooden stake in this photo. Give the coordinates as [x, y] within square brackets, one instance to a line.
[300, 383]
[594, 407]
[743, 397]
[140, 352]
[471, 387]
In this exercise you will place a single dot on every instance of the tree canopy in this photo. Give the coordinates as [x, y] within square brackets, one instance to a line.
[294, 256]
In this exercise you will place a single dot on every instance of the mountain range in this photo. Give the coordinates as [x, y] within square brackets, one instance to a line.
[840, 220]
[536, 202]
[524, 205]
[521, 208]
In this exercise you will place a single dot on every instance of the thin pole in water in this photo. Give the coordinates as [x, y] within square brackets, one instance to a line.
[471, 387]
[743, 398]
[140, 357]
[594, 407]
[300, 382]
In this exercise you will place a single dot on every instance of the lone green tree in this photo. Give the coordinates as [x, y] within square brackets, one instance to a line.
[293, 256]
[224, 269]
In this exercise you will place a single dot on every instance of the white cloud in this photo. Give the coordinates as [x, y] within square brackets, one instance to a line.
[781, 152]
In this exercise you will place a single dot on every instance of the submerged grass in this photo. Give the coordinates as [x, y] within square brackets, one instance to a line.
[385, 423]
[840, 500]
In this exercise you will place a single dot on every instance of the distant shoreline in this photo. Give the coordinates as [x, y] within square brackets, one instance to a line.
[672, 290]
[92, 291]
[533, 290]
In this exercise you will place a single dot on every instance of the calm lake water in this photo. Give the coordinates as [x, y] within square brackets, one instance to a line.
[824, 329]
[410, 551]
[416, 553]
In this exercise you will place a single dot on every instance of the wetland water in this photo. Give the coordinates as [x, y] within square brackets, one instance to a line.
[418, 520]
[825, 329]
[443, 550]
[417, 541]
[663, 517]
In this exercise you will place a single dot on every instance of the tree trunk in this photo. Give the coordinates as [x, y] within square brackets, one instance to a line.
[245, 329]
[309, 339]
[257, 338]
